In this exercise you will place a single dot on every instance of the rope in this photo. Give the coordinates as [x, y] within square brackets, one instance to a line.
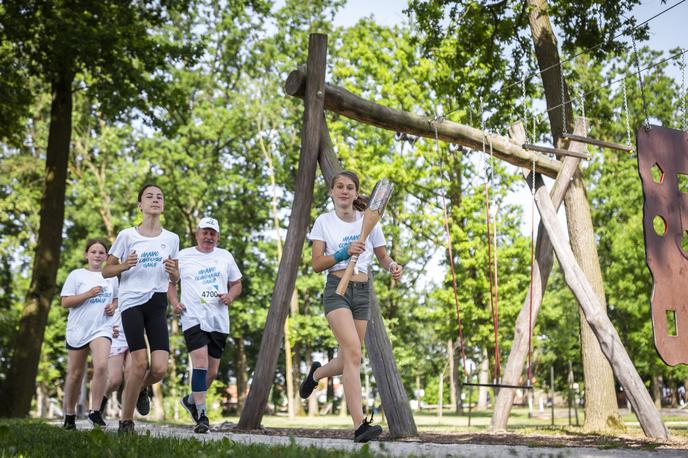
[451, 257]
[489, 248]
[532, 273]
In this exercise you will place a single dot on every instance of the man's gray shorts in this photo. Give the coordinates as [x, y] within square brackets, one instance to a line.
[356, 298]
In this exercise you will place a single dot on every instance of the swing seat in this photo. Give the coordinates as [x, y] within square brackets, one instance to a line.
[500, 385]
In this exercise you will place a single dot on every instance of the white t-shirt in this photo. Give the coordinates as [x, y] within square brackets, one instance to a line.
[148, 276]
[119, 342]
[204, 278]
[337, 233]
[88, 320]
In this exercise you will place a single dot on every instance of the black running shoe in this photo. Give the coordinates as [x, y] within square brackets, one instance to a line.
[308, 385]
[366, 432]
[190, 407]
[96, 419]
[203, 424]
[69, 423]
[103, 405]
[126, 427]
[143, 402]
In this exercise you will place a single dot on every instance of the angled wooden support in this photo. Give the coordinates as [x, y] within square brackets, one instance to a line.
[341, 101]
[544, 259]
[270, 344]
[557, 151]
[596, 142]
[595, 315]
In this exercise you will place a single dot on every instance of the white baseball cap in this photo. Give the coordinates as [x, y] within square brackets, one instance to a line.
[209, 223]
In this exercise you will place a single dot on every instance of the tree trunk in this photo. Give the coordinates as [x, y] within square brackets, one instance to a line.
[452, 379]
[312, 400]
[657, 390]
[296, 234]
[296, 371]
[600, 397]
[240, 372]
[483, 378]
[158, 402]
[20, 385]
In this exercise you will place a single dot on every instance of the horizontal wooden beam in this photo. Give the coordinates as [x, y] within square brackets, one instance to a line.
[557, 151]
[596, 142]
[341, 101]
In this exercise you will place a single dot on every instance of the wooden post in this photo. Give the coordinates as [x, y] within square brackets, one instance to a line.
[544, 259]
[392, 392]
[599, 322]
[268, 354]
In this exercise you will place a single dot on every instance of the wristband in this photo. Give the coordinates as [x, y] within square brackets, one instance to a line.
[342, 254]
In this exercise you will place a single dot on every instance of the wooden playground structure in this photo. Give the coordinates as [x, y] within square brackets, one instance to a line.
[309, 84]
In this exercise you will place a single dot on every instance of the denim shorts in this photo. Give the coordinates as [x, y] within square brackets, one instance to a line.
[356, 298]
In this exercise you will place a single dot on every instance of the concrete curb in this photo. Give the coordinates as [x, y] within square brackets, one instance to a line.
[395, 449]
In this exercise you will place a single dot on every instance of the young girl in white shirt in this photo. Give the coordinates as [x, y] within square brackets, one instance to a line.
[144, 257]
[91, 300]
[335, 240]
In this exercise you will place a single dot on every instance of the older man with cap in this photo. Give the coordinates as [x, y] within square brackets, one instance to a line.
[210, 281]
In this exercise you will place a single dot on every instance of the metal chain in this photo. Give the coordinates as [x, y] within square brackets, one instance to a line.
[563, 101]
[640, 81]
[628, 122]
[525, 108]
[585, 120]
[683, 94]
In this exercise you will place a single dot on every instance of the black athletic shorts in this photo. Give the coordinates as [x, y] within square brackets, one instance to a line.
[150, 319]
[69, 347]
[196, 338]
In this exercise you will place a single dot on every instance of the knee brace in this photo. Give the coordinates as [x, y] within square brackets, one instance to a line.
[198, 382]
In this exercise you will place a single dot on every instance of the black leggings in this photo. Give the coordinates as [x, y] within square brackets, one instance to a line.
[150, 319]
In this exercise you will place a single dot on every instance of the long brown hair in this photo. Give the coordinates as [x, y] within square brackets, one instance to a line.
[361, 202]
[92, 242]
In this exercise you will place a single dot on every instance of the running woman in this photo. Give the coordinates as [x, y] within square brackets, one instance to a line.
[335, 240]
[210, 281]
[119, 355]
[144, 258]
[92, 301]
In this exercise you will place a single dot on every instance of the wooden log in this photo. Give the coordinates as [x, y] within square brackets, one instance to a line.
[557, 151]
[596, 142]
[341, 101]
[596, 317]
[395, 402]
[268, 354]
[394, 399]
[544, 259]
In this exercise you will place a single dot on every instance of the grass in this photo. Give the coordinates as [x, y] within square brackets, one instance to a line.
[38, 439]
